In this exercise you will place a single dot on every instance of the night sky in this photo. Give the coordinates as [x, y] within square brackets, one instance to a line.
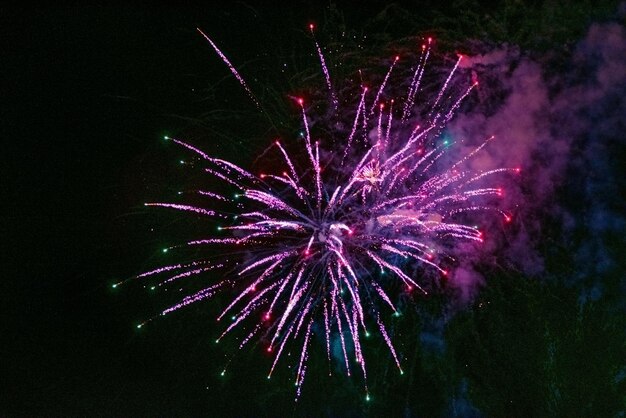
[88, 93]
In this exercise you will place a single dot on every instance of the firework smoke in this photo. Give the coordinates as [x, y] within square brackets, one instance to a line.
[565, 130]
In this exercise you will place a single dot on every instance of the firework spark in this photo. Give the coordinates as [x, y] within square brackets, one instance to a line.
[321, 232]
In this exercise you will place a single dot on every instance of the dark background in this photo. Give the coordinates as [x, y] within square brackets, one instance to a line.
[88, 91]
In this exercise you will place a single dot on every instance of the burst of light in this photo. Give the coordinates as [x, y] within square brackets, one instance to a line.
[312, 240]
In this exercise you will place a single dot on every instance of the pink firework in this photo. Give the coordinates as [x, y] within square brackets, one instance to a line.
[319, 248]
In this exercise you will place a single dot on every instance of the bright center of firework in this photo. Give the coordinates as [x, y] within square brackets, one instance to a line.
[371, 173]
[334, 233]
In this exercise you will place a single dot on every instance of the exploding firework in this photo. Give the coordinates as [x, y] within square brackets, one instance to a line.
[322, 246]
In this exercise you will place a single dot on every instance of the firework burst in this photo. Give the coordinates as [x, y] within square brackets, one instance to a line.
[321, 246]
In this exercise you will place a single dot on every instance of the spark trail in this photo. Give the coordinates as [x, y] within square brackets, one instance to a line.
[318, 249]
